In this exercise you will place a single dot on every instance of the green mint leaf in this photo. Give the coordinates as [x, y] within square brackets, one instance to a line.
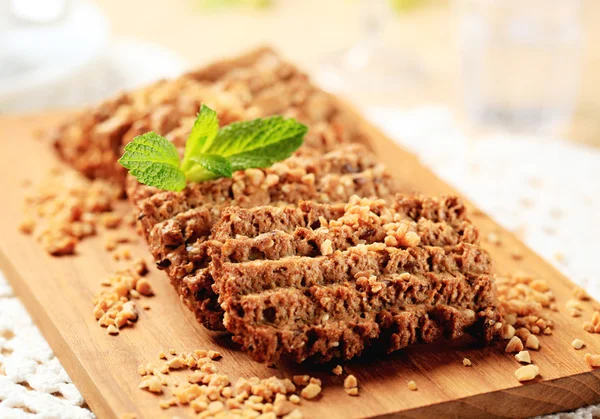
[257, 143]
[203, 133]
[154, 161]
[207, 167]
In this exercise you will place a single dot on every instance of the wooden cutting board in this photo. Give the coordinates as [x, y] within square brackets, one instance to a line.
[58, 293]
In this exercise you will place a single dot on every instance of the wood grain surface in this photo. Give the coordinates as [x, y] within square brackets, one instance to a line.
[58, 293]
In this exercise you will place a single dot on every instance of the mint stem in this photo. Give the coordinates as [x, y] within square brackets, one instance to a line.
[199, 174]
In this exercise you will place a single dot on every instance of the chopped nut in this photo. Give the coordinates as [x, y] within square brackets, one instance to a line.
[350, 381]
[493, 238]
[596, 318]
[412, 386]
[528, 372]
[198, 405]
[165, 404]
[326, 247]
[592, 360]
[162, 355]
[532, 342]
[143, 287]
[523, 357]
[588, 327]
[27, 225]
[467, 362]
[337, 370]
[295, 414]
[112, 330]
[141, 369]
[175, 363]
[514, 345]
[310, 391]
[578, 344]
[214, 355]
[352, 391]
[172, 351]
[152, 384]
[282, 407]
[301, 380]
[508, 331]
[522, 333]
[295, 399]
[580, 294]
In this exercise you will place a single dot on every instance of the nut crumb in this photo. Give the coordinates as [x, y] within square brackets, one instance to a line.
[467, 362]
[526, 373]
[326, 248]
[310, 391]
[112, 330]
[338, 370]
[412, 386]
[592, 360]
[508, 331]
[162, 355]
[523, 357]
[580, 294]
[532, 342]
[578, 344]
[350, 381]
[514, 345]
[27, 226]
[352, 391]
[301, 380]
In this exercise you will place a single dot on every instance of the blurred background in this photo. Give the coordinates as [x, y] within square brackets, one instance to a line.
[499, 98]
[522, 65]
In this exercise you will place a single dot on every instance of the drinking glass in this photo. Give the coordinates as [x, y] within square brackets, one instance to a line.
[520, 62]
[370, 65]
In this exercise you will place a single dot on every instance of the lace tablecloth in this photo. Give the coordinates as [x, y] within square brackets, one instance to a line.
[546, 191]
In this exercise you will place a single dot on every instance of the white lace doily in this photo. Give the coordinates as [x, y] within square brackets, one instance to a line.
[546, 191]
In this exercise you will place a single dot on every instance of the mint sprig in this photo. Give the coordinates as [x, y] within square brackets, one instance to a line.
[212, 152]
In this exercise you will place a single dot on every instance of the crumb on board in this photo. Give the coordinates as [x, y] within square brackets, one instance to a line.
[337, 370]
[532, 342]
[580, 294]
[467, 362]
[113, 306]
[592, 360]
[593, 326]
[514, 345]
[350, 382]
[577, 344]
[523, 357]
[412, 386]
[527, 372]
[65, 208]
[525, 300]
[209, 393]
[311, 391]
